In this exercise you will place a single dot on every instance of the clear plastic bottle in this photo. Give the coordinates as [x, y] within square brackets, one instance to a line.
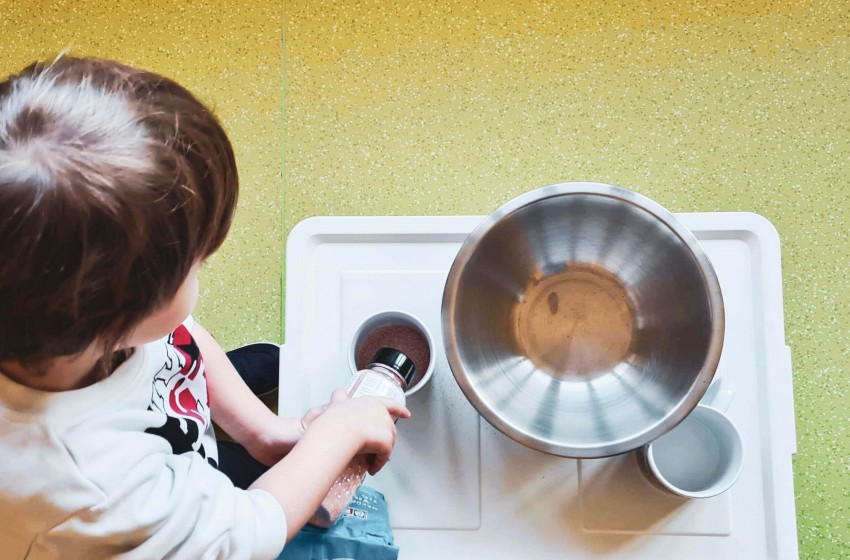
[388, 375]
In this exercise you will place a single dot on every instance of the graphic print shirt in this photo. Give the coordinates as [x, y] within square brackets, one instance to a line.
[179, 392]
[125, 468]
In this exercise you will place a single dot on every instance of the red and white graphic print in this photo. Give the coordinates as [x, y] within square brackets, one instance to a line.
[180, 393]
[182, 387]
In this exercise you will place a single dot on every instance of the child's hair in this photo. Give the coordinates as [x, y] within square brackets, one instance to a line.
[114, 182]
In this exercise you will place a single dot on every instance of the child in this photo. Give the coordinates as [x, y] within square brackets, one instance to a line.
[115, 185]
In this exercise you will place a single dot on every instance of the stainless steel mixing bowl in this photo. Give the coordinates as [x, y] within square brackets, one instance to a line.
[582, 320]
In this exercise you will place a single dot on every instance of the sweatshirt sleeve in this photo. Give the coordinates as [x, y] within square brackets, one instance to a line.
[171, 506]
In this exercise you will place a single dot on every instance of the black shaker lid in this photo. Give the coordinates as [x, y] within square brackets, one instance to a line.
[397, 360]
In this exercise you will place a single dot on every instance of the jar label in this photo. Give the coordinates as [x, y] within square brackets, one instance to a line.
[375, 385]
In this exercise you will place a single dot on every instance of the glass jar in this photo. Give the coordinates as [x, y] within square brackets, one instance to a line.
[388, 375]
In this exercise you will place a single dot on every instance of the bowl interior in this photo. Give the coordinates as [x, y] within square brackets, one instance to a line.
[581, 323]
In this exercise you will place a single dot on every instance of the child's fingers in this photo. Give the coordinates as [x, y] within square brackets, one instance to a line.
[396, 409]
[376, 462]
[316, 411]
[311, 415]
[339, 394]
[381, 455]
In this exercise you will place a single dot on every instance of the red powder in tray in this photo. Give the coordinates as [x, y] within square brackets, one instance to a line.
[400, 337]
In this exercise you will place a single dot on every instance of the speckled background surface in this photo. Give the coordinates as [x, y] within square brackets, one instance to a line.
[455, 107]
[439, 107]
[229, 55]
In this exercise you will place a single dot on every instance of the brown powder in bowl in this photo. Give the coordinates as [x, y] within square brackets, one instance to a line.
[404, 338]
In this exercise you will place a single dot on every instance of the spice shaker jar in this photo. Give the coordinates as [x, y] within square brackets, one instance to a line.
[388, 375]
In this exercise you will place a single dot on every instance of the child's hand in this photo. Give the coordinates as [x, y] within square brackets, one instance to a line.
[280, 436]
[314, 413]
[368, 421]
[277, 438]
[347, 427]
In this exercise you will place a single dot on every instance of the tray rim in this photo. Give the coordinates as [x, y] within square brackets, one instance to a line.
[753, 229]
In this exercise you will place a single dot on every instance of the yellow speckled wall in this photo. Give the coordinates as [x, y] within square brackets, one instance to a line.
[228, 54]
[441, 107]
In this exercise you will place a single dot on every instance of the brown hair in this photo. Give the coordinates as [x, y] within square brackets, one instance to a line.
[114, 182]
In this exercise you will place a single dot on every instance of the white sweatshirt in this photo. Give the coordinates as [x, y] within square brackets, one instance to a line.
[125, 468]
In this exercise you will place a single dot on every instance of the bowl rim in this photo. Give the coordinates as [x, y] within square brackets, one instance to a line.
[565, 449]
[390, 317]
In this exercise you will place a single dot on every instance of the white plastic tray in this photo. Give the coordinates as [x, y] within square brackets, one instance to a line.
[458, 488]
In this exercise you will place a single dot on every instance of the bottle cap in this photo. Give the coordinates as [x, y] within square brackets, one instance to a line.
[397, 360]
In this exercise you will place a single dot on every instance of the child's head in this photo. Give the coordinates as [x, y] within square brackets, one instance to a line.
[114, 183]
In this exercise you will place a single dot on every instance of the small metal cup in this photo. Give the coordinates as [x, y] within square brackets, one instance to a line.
[387, 319]
[701, 457]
